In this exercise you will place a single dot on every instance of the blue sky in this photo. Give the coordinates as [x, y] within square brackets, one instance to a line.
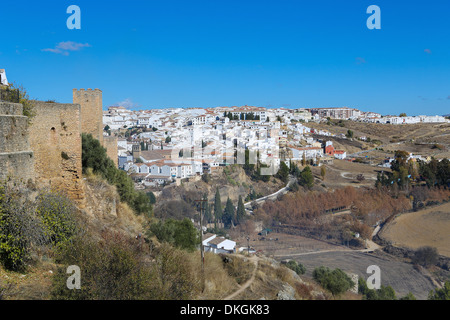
[154, 54]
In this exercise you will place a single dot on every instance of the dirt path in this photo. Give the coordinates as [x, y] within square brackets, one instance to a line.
[247, 284]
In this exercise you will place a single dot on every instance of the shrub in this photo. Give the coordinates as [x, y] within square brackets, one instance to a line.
[94, 157]
[426, 256]
[180, 233]
[297, 267]
[336, 281]
[409, 296]
[384, 293]
[112, 269]
[19, 228]
[176, 276]
[24, 99]
[57, 214]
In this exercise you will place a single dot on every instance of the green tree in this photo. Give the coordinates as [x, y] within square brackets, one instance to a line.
[218, 211]
[400, 159]
[208, 216]
[440, 294]
[228, 217]
[349, 133]
[240, 213]
[306, 178]
[141, 203]
[283, 172]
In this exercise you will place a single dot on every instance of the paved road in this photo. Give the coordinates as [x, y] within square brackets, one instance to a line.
[272, 196]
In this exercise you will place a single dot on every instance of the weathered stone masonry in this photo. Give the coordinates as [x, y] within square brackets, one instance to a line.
[55, 138]
[91, 103]
[16, 157]
[49, 150]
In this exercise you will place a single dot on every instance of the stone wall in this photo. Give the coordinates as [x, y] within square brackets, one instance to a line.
[16, 157]
[91, 103]
[55, 138]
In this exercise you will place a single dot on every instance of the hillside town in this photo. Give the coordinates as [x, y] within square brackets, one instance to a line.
[163, 146]
[209, 158]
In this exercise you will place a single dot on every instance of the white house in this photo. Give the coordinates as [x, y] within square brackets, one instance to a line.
[309, 152]
[3, 79]
[340, 154]
[214, 244]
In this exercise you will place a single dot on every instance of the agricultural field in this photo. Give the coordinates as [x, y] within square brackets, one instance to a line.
[429, 227]
[401, 276]
[344, 173]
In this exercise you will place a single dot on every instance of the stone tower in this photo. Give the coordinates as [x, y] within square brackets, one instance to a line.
[136, 151]
[91, 103]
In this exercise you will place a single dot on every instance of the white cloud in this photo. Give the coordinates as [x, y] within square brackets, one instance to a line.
[127, 103]
[66, 47]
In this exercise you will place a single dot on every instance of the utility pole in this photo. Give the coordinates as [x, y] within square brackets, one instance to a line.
[248, 245]
[202, 250]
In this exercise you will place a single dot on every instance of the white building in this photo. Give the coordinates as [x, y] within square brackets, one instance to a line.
[214, 244]
[3, 79]
[309, 152]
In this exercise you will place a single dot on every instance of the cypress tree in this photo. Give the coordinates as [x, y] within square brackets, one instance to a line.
[228, 214]
[217, 206]
[240, 214]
